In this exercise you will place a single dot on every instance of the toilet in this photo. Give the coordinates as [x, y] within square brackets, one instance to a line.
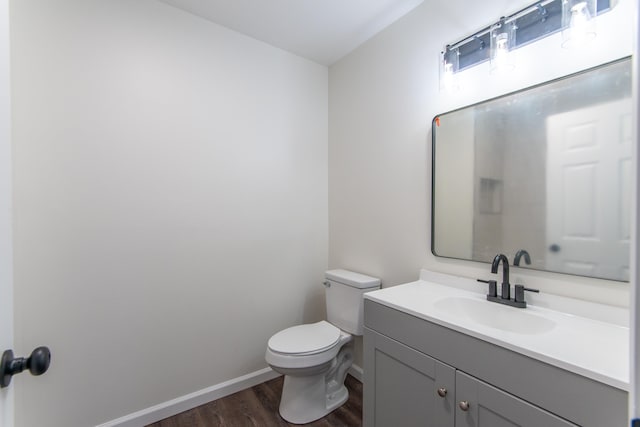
[314, 358]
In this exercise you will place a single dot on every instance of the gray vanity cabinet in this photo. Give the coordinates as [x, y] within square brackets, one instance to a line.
[417, 373]
[491, 407]
[409, 388]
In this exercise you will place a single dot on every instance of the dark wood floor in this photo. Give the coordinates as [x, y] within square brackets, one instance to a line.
[258, 407]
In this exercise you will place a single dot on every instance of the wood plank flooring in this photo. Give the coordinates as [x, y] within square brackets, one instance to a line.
[258, 407]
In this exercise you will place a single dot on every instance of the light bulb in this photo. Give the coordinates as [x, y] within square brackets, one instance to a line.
[502, 42]
[581, 27]
[502, 51]
[448, 69]
[447, 77]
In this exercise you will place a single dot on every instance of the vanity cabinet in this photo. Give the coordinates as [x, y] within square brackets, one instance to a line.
[411, 388]
[417, 373]
[487, 406]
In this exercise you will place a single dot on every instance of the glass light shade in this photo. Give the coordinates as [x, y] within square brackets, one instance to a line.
[503, 39]
[449, 63]
[578, 23]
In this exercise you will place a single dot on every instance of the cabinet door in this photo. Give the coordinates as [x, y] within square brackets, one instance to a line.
[488, 406]
[403, 387]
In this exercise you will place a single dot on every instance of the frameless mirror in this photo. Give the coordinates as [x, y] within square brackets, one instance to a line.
[543, 175]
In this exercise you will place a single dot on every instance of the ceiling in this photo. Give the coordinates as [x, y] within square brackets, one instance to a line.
[320, 30]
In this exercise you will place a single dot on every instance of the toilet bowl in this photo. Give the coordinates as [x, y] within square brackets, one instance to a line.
[315, 358]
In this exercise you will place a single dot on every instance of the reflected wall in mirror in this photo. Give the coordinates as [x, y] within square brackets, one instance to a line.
[546, 170]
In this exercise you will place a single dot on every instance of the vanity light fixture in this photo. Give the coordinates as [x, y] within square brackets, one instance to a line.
[578, 23]
[575, 18]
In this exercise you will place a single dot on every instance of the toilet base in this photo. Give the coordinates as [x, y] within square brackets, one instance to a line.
[308, 398]
[304, 399]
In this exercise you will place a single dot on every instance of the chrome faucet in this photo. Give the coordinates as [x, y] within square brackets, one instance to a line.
[506, 287]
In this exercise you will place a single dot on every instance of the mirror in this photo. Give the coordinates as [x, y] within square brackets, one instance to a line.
[543, 175]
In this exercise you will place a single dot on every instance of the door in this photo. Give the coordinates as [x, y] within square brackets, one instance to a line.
[634, 338]
[404, 387]
[588, 223]
[6, 260]
[480, 405]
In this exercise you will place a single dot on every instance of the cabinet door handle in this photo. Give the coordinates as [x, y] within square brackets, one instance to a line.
[442, 392]
[464, 405]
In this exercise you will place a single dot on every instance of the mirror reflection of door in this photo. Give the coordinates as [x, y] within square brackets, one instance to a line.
[589, 190]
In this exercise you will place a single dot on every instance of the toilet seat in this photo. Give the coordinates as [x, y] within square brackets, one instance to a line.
[303, 340]
[307, 347]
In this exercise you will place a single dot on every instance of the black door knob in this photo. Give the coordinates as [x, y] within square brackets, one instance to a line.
[554, 248]
[37, 363]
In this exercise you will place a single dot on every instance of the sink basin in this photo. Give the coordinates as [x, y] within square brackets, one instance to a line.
[505, 318]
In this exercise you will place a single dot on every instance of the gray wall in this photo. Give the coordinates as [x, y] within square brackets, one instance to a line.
[170, 203]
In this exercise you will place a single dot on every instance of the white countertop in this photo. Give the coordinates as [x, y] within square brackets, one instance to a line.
[585, 344]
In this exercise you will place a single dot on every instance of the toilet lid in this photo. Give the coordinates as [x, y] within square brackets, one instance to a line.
[305, 339]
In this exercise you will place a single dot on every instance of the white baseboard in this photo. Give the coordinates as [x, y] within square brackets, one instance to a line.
[184, 403]
[190, 401]
[356, 372]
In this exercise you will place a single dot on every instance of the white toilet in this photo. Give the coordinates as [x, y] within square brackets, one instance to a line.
[314, 358]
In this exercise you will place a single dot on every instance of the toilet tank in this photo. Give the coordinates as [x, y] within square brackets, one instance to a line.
[345, 301]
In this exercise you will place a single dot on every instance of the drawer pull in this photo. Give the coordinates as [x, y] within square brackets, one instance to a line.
[442, 392]
[464, 405]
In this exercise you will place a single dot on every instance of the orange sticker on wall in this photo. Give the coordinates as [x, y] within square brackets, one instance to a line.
[437, 121]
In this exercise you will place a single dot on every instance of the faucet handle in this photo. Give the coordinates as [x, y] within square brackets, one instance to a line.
[493, 287]
[519, 292]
